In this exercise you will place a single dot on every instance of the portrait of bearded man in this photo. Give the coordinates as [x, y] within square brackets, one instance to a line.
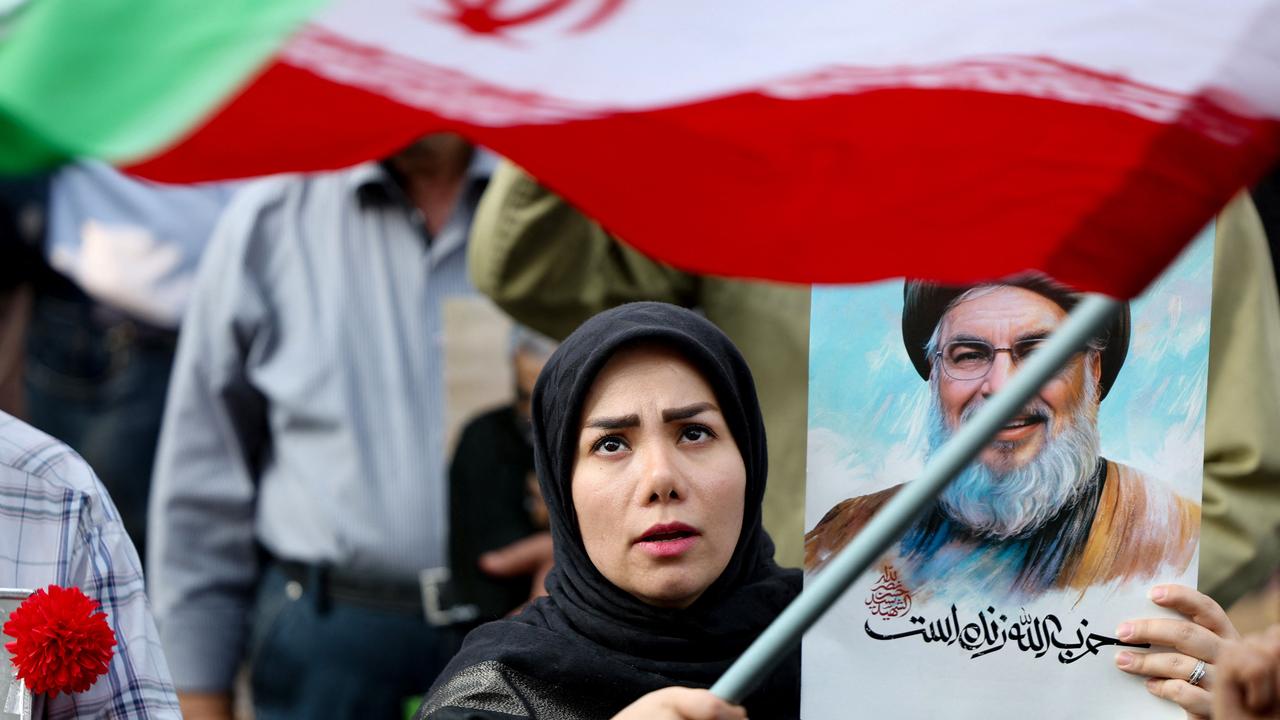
[1040, 509]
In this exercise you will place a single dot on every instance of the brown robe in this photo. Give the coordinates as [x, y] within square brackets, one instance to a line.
[1140, 527]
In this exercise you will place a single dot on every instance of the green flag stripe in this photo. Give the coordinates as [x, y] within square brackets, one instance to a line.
[119, 79]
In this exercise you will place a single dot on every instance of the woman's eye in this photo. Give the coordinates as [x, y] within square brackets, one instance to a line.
[609, 445]
[696, 433]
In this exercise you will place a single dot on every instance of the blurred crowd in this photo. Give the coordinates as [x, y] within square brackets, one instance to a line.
[261, 374]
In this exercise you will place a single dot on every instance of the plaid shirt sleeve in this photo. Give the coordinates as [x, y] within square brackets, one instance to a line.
[58, 526]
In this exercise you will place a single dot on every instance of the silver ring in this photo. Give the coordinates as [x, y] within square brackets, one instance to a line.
[1197, 674]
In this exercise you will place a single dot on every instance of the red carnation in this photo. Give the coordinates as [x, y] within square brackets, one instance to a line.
[61, 643]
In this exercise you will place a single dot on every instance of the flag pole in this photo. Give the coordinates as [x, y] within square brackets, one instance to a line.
[1086, 321]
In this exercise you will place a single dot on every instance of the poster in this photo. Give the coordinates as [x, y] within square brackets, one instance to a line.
[1003, 599]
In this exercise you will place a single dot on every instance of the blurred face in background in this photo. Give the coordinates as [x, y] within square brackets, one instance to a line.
[433, 155]
[527, 367]
[658, 482]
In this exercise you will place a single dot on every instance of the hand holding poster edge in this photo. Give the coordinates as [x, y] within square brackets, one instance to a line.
[1092, 314]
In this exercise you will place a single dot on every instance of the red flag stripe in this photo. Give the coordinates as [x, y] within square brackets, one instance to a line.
[947, 184]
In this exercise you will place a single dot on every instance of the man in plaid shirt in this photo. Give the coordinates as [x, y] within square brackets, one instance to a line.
[58, 527]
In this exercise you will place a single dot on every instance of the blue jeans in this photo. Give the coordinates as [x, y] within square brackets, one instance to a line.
[307, 660]
[99, 386]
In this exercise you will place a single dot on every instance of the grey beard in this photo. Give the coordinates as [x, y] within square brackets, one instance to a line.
[1019, 502]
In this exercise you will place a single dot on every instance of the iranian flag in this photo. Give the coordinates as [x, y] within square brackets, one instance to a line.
[817, 141]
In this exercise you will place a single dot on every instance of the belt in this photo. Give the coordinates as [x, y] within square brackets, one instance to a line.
[433, 597]
[122, 330]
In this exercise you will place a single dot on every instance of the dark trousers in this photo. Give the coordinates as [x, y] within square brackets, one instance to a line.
[310, 658]
[99, 386]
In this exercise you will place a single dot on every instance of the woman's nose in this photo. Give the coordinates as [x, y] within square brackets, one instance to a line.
[662, 479]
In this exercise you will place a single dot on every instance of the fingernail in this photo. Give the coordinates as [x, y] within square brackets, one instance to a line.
[1124, 631]
[1152, 684]
[1157, 593]
[1123, 659]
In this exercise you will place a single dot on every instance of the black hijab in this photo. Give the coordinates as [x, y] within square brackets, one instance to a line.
[594, 639]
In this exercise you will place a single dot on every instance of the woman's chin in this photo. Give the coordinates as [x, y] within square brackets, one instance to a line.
[674, 592]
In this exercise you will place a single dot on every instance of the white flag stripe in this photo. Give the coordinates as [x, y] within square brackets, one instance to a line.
[458, 96]
[441, 90]
[658, 53]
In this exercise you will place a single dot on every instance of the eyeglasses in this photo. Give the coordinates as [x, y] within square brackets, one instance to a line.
[972, 359]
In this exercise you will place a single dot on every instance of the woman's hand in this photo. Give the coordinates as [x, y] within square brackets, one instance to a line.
[1248, 681]
[1201, 637]
[678, 703]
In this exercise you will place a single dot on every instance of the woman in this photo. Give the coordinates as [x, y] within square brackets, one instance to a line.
[650, 451]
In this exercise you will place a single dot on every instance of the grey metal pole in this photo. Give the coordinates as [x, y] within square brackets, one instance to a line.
[1086, 320]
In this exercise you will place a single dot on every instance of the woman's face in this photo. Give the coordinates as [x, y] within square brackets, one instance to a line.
[658, 482]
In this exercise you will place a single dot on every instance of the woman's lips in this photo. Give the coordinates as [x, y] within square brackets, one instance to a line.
[668, 540]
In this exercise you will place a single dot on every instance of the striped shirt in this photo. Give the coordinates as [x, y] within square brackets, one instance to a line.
[58, 527]
[306, 411]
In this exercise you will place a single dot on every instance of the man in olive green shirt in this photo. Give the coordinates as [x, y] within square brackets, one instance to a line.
[552, 267]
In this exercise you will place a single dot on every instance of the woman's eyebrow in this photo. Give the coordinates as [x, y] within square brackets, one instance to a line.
[686, 412]
[614, 423]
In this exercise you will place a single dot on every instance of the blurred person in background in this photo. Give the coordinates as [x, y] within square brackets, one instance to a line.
[1240, 535]
[117, 257]
[551, 267]
[299, 514]
[22, 209]
[499, 541]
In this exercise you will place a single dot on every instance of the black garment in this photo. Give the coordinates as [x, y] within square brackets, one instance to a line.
[488, 508]
[590, 649]
[21, 200]
[1266, 196]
